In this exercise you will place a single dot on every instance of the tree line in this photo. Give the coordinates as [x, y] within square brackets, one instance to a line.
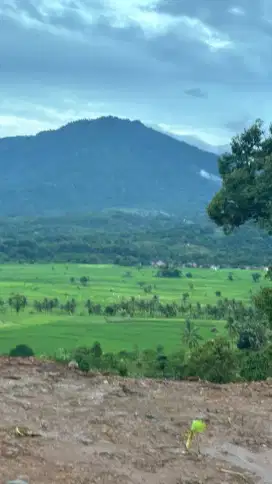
[129, 240]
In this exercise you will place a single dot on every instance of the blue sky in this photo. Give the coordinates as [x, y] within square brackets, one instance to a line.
[198, 67]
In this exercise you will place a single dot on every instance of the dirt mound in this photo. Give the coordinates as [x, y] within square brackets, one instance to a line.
[100, 429]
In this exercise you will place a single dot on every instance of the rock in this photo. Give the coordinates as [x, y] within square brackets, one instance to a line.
[73, 365]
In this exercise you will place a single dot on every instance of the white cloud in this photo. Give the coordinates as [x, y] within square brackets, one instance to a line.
[210, 176]
[136, 59]
[236, 11]
[213, 136]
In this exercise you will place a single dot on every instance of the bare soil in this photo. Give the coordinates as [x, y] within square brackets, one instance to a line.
[103, 429]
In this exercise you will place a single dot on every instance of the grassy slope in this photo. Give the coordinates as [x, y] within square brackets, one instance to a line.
[45, 333]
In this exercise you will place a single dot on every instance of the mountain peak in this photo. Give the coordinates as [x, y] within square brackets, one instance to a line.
[90, 165]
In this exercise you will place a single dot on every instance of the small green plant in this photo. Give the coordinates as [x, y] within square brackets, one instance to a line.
[197, 427]
[84, 366]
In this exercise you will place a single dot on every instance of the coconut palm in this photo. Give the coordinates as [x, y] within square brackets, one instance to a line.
[191, 336]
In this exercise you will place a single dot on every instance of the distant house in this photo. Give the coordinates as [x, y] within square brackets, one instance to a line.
[159, 263]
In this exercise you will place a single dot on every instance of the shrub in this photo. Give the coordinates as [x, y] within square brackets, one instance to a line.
[84, 365]
[263, 302]
[254, 366]
[169, 272]
[96, 350]
[22, 351]
[252, 335]
[214, 361]
[122, 368]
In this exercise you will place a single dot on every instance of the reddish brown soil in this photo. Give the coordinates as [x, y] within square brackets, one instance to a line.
[100, 429]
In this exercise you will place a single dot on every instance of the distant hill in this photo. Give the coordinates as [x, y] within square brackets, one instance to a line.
[100, 164]
[195, 141]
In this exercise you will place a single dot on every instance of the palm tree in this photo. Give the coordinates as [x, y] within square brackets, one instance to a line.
[191, 336]
[231, 328]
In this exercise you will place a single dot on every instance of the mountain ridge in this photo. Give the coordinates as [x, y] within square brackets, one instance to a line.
[103, 163]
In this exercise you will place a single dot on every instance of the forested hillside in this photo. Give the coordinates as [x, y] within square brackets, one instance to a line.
[101, 164]
[130, 238]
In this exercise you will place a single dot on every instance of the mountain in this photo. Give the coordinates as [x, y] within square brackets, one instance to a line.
[194, 141]
[92, 165]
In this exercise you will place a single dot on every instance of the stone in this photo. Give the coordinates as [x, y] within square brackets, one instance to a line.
[73, 365]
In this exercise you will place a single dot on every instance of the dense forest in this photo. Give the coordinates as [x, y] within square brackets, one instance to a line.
[91, 165]
[128, 238]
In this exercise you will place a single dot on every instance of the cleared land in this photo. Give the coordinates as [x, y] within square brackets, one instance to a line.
[106, 430]
[45, 333]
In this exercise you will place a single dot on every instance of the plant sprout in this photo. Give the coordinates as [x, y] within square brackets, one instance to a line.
[197, 427]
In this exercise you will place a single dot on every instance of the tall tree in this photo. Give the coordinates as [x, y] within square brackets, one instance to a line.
[246, 172]
[191, 336]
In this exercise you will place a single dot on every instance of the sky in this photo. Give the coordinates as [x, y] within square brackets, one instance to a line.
[193, 67]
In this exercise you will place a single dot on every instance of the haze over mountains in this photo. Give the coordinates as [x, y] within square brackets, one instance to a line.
[194, 141]
[92, 165]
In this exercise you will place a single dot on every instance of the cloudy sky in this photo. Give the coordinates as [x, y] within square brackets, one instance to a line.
[198, 67]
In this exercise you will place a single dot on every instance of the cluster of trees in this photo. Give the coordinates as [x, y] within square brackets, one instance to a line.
[215, 360]
[130, 239]
[152, 306]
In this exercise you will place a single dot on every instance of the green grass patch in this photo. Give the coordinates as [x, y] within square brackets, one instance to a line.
[45, 333]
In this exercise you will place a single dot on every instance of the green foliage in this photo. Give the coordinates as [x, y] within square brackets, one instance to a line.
[169, 272]
[246, 193]
[129, 239]
[255, 365]
[214, 361]
[96, 350]
[122, 368]
[263, 302]
[22, 351]
[84, 365]
[252, 334]
[256, 276]
[191, 336]
[268, 274]
[155, 161]
[17, 302]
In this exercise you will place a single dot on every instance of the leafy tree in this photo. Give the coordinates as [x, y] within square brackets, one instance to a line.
[70, 306]
[2, 304]
[256, 276]
[246, 192]
[89, 306]
[263, 302]
[84, 280]
[252, 334]
[171, 272]
[214, 361]
[17, 302]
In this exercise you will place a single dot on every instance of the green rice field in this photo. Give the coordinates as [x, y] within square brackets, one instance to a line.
[46, 332]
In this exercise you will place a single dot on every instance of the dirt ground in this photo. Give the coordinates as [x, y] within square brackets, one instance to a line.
[102, 429]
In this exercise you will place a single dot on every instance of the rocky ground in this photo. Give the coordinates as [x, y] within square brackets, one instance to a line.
[77, 429]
